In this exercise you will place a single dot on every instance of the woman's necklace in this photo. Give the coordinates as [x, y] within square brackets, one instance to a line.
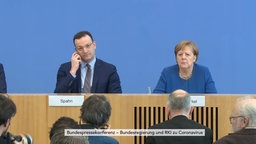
[185, 77]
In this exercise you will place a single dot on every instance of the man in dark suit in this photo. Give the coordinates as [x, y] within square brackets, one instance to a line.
[3, 87]
[86, 73]
[243, 121]
[179, 110]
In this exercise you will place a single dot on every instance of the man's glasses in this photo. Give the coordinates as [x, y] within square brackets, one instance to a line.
[87, 46]
[231, 118]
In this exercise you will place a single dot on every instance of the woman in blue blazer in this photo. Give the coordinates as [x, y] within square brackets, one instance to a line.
[186, 74]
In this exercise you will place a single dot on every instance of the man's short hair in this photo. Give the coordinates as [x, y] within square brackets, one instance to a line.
[63, 123]
[59, 138]
[7, 108]
[57, 132]
[82, 34]
[96, 110]
[179, 101]
[248, 109]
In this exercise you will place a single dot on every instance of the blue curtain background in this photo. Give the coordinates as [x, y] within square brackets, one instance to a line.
[138, 36]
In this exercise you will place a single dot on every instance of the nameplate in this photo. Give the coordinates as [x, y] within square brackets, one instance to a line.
[54, 100]
[197, 101]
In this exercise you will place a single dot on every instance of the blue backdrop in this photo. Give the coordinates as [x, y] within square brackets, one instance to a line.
[138, 36]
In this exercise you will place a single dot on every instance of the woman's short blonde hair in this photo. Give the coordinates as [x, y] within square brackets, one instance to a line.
[185, 43]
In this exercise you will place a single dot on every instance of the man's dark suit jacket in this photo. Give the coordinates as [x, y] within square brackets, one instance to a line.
[105, 79]
[244, 136]
[98, 139]
[3, 86]
[180, 122]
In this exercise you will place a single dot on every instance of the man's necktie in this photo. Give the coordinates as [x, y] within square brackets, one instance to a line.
[87, 81]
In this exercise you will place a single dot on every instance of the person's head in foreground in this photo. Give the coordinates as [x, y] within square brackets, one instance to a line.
[96, 111]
